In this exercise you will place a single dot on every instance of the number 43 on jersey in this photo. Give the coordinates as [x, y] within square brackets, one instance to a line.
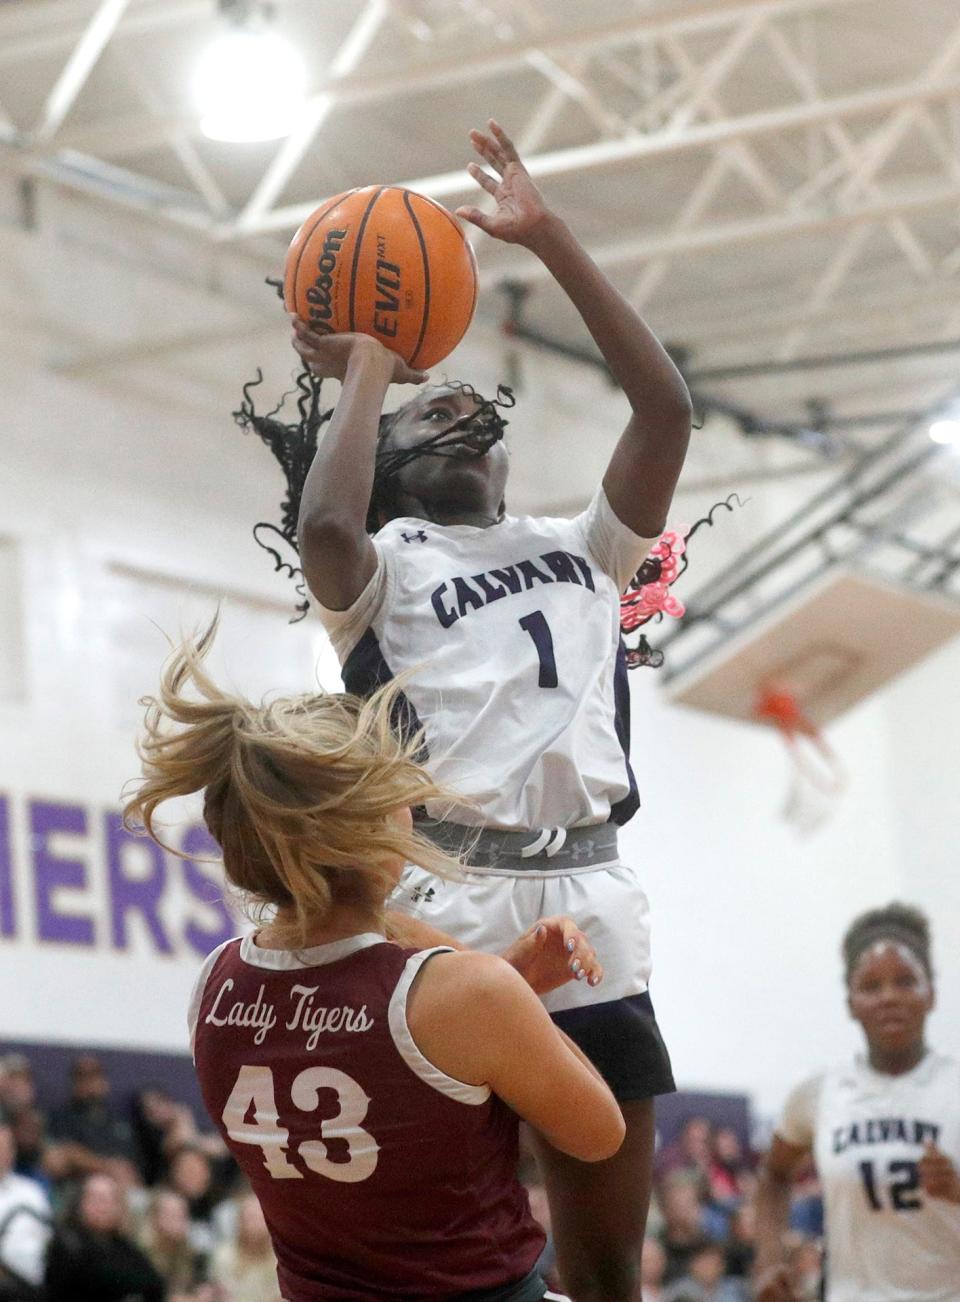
[254, 1091]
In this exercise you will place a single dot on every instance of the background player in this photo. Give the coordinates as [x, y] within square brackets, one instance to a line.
[885, 1134]
[361, 1087]
[521, 685]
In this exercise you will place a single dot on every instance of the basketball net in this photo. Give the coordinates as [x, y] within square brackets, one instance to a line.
[817, 778]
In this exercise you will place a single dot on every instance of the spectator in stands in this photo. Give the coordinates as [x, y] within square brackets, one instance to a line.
[92, 1259]
[88, 1135]
[18, 1090]
[156, 1125]
[727, 1167]
[30, 1141]
[742, 1243]
[706, 1279]
[806, 1206]
[24, 1225]
[165, 1238]
[245, 1265]
[691, 1152]
[686, 1222]
[161, 1125]
[653, 1267]
[191, 1176]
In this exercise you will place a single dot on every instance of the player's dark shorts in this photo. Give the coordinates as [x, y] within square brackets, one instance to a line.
[529, 1289]
[623, 1041]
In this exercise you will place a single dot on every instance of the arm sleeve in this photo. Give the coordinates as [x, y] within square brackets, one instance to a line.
[798, 1120]
[346, 627]
[616, 548]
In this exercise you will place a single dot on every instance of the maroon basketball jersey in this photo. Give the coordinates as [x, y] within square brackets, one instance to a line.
[379, 1175]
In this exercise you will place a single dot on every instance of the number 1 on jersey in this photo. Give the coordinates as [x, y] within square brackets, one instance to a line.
[538, 628]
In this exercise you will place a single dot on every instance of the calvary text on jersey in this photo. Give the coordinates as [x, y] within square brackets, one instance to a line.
[459, 595]
[884, 1130]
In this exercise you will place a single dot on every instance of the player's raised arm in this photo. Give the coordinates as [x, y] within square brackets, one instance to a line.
[476, 1019]
[337, 556]
[646, 464]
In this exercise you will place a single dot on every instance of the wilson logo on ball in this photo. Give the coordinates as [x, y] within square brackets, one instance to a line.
[387, 262]
[318, 295]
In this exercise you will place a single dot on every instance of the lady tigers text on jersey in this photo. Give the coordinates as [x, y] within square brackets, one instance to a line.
[261, 1016]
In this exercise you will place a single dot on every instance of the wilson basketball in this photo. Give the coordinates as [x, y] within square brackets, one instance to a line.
[387, 262]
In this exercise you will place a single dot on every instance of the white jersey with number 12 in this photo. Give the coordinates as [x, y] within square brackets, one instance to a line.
[886, 1240]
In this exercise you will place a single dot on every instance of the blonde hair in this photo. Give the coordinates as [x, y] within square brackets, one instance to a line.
[297, 790]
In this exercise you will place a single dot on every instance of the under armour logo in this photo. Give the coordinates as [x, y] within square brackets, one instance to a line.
[417, 895]
[419, 536]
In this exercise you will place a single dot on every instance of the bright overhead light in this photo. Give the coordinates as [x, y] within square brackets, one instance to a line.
[946, 431]
[249, 85]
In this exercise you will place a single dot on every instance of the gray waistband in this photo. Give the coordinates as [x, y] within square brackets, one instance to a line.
[553, 849]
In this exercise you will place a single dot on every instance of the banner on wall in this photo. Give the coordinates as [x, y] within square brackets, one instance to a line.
[102, 932]
[71, 898]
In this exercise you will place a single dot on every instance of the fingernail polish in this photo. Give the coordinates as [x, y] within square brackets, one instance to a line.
[571, 945]
[581, 974]
[575, 965]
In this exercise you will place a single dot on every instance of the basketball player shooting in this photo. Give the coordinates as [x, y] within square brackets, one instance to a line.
[512, 628]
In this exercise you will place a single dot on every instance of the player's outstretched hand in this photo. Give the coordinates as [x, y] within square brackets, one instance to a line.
[552, 952]
[939, 1177]
[774, 1285]
[521, 209]
[327, 356]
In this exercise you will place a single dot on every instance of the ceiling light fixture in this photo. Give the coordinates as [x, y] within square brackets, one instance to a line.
[946, 430]
[250, 82]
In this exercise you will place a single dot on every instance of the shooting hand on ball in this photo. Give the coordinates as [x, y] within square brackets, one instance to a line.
[328, 355]
[521, 209]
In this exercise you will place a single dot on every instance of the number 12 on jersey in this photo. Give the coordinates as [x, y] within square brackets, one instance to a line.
[902, 1191]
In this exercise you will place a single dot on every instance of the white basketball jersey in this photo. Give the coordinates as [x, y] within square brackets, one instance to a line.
[514, 633]
[886, 1240]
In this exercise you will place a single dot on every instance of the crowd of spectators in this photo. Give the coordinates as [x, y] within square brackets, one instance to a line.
[103, 1201]
[701, 1227]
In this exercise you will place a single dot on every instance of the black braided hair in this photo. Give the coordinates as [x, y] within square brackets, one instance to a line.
[897, 922]
[295, 446]
[641, 654]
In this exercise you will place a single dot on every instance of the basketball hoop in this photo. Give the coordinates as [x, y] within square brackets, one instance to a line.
[817, 778]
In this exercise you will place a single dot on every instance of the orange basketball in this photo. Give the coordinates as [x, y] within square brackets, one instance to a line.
[387, 262]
